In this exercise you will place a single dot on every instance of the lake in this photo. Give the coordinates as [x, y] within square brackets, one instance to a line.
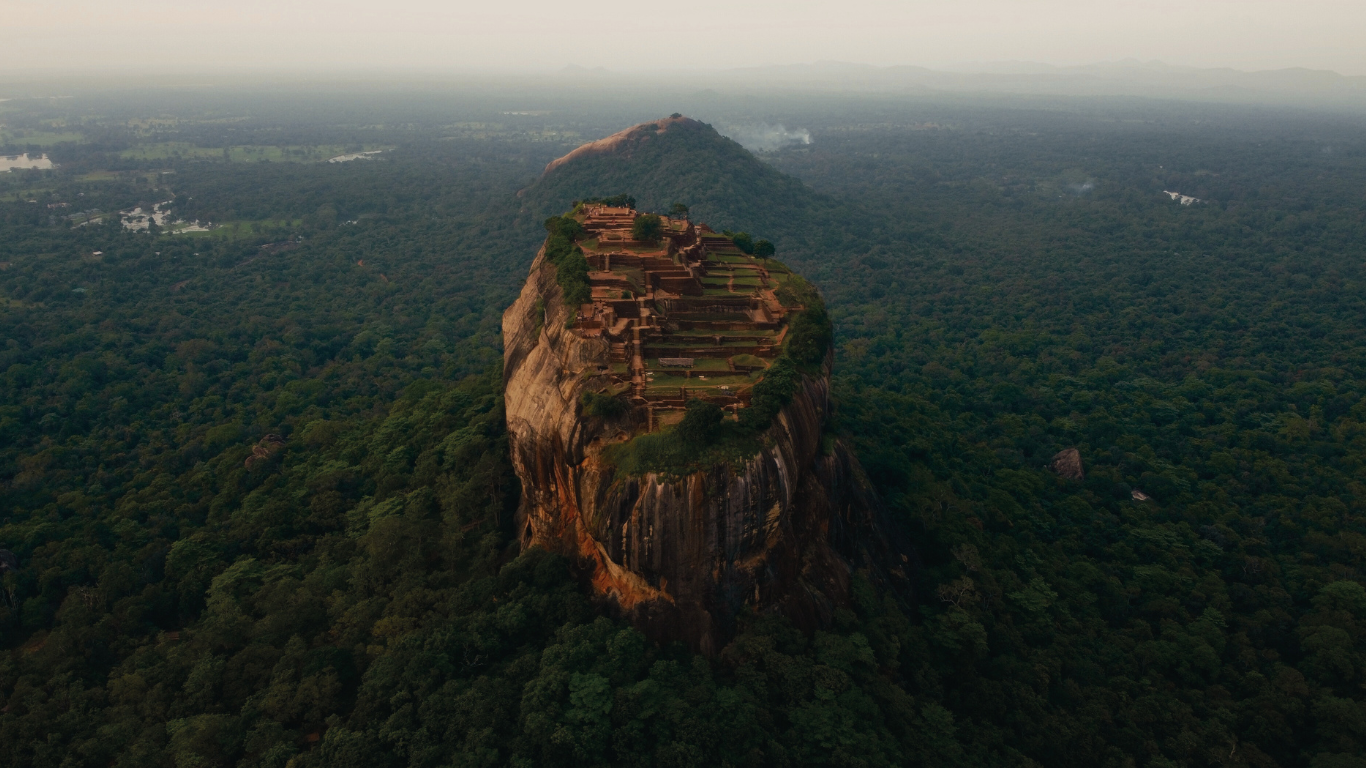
[10, 162]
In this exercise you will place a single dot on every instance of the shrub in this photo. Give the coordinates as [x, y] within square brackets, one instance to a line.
[566, 226]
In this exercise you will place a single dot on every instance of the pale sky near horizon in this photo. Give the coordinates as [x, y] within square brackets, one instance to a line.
[193, 36]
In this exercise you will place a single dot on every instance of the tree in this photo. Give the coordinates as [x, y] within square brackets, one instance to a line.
[566, 226]
[742, 240]
[678, 211]
[700, 422]
[615, 201]
[764, 249]
[647, 228]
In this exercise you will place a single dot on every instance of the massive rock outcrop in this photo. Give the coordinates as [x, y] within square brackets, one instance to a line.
[625, 142]
[682, 557]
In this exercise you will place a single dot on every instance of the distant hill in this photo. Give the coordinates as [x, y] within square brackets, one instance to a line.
[675, 160]
[1153, 79]
[681, 160]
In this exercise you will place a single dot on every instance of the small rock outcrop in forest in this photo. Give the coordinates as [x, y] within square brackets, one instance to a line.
[1067, 463]
[667, 395]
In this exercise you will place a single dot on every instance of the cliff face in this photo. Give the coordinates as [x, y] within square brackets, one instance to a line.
[681, 557]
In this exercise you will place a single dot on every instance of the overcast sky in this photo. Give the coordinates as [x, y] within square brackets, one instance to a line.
[191, 36]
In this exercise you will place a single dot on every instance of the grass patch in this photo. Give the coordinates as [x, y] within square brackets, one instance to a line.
[39, 138]
[749, 361]
[704, 364]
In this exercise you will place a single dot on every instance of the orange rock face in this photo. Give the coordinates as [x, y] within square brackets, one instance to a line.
[682, 557]
[620, 140]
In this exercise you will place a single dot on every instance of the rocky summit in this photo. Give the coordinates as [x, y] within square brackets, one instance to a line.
[667, 397]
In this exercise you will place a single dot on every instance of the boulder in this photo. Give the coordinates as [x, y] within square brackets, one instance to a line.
[1067, 464]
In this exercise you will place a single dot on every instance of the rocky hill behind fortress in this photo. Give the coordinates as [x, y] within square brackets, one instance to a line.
[678, 159]
[771, 513]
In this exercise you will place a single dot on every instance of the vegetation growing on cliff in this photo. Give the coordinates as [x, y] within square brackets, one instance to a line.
[702, 440]
[602, 405]
[809, 335]
[571, 268]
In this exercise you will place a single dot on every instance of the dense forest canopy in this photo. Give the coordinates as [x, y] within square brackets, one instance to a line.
[257, 492]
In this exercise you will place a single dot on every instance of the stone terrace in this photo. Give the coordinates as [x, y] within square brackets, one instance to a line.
[690, 316]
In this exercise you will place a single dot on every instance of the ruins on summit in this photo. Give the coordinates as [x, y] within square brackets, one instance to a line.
[687, 316]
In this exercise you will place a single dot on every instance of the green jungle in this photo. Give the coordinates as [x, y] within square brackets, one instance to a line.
[256, 486]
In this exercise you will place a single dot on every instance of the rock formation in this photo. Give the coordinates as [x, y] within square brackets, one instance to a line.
[624, 141]
[267, 448]
[1067, 464]
[681, 556]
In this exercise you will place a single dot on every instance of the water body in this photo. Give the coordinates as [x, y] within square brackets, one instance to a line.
[24, 161]
[354, 156]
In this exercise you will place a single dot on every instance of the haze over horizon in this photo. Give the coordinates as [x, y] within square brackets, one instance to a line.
[529, 36]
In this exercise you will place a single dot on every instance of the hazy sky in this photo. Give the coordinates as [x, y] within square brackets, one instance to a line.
[193, 36]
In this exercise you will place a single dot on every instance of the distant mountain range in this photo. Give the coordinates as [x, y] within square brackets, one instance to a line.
[1294, 86]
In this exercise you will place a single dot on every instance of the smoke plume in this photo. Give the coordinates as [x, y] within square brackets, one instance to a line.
[766, 138]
